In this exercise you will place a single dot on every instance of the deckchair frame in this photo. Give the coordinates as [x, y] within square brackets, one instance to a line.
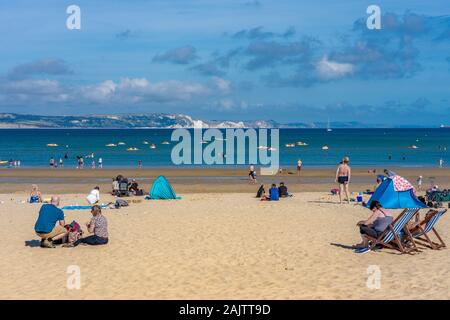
[423, 235]
[398, 242]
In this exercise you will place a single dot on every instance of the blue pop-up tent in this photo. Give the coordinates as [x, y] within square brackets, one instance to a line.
[162, 190]
[392, 199]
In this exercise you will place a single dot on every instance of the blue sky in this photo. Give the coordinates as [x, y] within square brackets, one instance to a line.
[289, 61]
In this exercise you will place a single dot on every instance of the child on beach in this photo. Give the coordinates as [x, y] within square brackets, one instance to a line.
[35, 194]
[419, 183]
[252, 174]
[98, 226]
[299, 166]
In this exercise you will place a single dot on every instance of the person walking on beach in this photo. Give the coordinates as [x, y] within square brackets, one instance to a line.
[98, 226]
[60, 162]
[299, 166]
[100, 163]
[441, 163]
[419, 183]
[140, 164]
[252, 173]
[50, 223]
[52, 162]
[93, 164]
[343, 175]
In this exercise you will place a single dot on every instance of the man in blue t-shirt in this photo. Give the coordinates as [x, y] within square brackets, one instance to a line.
[273, 193]
[50, 223]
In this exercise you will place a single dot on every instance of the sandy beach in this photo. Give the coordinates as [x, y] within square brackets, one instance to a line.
[215, 246]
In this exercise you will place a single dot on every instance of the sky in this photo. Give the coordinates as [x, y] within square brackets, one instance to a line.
[285, 60]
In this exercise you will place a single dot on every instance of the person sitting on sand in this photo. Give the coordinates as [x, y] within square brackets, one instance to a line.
[35, 194]
[94, 196]
[283, 191]
[343, 174]
[133, 186]
[260, 191]
[375, 225]
[98, 226]
[50, 223]
[261, 194]
[274, 193]
[115, 187]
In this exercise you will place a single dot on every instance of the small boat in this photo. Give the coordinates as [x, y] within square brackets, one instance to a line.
[263, 147]
[302, 144]
[165, 142]
[145, 142]
[204, 142]
[121, 143]
[289, 145]
[325, 147]
[413, 147]
[52, 145]
[3, 162]
[152, 146]
[132, 149]
[272, 149]
[111, 145]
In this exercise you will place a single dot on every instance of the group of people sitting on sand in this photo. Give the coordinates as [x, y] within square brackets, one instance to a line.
[51, 227]
[128, 187]
[274, 194]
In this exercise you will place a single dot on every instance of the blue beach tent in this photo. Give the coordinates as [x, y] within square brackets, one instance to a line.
[162, 190]
[391, 199]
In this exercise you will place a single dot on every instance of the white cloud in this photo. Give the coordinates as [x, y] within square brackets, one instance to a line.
[328, 69]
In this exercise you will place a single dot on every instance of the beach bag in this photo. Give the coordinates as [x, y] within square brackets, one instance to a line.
[75, 232]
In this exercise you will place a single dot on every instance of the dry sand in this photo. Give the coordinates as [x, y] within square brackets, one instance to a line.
[216, 246]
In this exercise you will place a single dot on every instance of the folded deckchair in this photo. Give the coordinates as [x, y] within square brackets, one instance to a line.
[422, 235]
[392, 236]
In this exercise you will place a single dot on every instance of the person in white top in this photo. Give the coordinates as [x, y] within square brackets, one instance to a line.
[94, 196]
[100, 163]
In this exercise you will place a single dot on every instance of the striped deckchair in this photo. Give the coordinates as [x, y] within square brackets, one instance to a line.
[422, 235]
[392, 236]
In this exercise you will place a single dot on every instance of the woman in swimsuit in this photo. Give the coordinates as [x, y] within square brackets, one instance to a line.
[343, 174]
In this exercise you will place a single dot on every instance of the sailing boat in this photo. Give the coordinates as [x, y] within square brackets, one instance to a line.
[328, 126]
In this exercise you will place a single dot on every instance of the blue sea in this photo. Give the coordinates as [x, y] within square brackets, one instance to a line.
[365, 147]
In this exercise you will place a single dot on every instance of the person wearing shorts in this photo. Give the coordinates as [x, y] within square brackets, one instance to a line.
[343, 173]
[50, 223]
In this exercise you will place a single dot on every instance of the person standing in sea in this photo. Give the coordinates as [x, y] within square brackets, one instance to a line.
[343, 174]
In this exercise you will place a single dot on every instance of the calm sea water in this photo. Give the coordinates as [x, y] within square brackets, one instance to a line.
[365, 147]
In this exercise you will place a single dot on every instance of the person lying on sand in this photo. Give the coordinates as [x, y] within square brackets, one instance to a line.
[50, 223]
[374, 225]
[98, 226]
